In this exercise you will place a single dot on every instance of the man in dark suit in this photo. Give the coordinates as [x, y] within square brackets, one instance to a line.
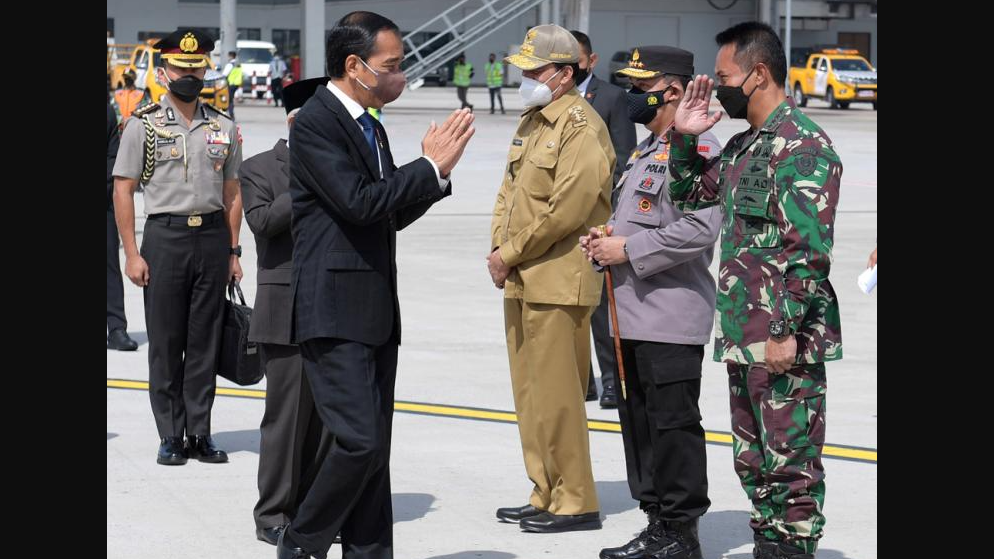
[293, 438]
[117, 324]
[348, 201]
[611, 104]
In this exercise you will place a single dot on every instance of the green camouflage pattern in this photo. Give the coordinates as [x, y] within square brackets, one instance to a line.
[778, 187]
[778, 431]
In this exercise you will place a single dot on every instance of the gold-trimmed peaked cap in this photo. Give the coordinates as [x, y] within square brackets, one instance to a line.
[546, 44]
[186, 48]
[653, 60]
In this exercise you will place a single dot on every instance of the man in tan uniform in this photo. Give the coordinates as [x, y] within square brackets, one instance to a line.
[187, 155]
[556, 187]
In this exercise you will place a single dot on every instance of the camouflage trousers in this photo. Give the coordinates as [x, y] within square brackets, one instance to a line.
[778, 431]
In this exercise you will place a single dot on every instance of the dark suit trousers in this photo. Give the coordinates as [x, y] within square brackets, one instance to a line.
[603, 343]
[661, 428]
[294, 441]
[184, 302]
[115, 284]
[353, 387]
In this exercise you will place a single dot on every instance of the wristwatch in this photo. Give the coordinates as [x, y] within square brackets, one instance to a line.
[236, 251]
[778, 329]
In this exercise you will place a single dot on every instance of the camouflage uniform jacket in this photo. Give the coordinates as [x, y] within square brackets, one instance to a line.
[778, 188]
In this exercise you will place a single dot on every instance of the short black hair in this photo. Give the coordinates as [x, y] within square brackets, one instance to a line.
[756, 42]
[232, 53]
[584, 41]
[354, 34]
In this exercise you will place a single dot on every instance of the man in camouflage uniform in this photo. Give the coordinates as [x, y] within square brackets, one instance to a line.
[778, 316]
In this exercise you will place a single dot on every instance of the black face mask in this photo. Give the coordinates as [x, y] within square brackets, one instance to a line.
[580, 75]
[187, 88]
[734, 100]
[642, 105]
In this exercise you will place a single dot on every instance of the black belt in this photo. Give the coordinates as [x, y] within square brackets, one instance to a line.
[197, 220]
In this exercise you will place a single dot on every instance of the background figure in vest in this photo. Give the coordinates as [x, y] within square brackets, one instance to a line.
[233, 73]
[277, 69]
[461, 73]
[495, 79]
[128, 98]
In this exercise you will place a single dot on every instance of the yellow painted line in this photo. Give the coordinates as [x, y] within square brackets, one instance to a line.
[858, 454]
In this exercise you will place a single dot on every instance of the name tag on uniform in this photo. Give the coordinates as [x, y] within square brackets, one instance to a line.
[516, 142]
[165, 141]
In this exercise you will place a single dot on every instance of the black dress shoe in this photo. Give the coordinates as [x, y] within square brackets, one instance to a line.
[270, 535]
[548, 523]
[121, 341]
[784, 550]
[171, 452]
[286, 550]
[609, 398]
[515, 514]
[202, 448]
[763, 548]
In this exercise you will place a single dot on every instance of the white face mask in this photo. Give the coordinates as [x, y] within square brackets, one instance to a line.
[536, 94]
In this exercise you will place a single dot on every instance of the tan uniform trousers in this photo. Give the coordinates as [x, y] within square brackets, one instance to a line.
[548, 347]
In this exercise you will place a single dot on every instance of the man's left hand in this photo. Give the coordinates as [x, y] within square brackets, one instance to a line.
[234, 269]
[608, 251]
[781, 354]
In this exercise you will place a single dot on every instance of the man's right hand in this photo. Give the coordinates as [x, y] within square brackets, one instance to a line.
[136, 269]
[444, 144]
[692, 113]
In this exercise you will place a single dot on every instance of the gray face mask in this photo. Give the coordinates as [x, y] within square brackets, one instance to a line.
[388, 86]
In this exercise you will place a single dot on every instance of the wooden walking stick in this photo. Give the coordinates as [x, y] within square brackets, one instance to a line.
[613, 308]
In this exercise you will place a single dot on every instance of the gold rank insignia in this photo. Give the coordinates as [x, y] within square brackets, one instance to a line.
[578, 116]
[634, 62]
[189, 43]
[662, 156]
[214, 124]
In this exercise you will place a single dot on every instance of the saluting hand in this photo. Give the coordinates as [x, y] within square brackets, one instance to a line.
[692, 113]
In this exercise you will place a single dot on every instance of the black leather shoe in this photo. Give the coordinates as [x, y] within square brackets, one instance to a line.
[270, 535]
[680, 542]
[548, 523]
[652, 536]
[285, 551]
[609, 398]
[121, 341]
[171, 452]
[202, 448]
[516, 514]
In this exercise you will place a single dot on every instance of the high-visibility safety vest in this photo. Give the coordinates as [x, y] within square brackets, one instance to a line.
[460, 74]
[235, 76]
[495, 74]
[127, 101]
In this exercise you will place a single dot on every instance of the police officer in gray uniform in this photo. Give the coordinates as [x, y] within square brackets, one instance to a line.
[659, 258]
[187, 155]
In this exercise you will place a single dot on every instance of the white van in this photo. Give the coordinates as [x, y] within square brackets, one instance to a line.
[255, 57]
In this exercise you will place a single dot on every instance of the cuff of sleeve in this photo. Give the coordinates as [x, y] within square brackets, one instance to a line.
[508, 255]
[682, 146]
[442, 183]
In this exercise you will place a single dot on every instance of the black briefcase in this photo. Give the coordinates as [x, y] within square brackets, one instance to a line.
[238, 359]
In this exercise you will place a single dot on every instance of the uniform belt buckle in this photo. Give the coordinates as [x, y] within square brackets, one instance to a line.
[195, 221]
